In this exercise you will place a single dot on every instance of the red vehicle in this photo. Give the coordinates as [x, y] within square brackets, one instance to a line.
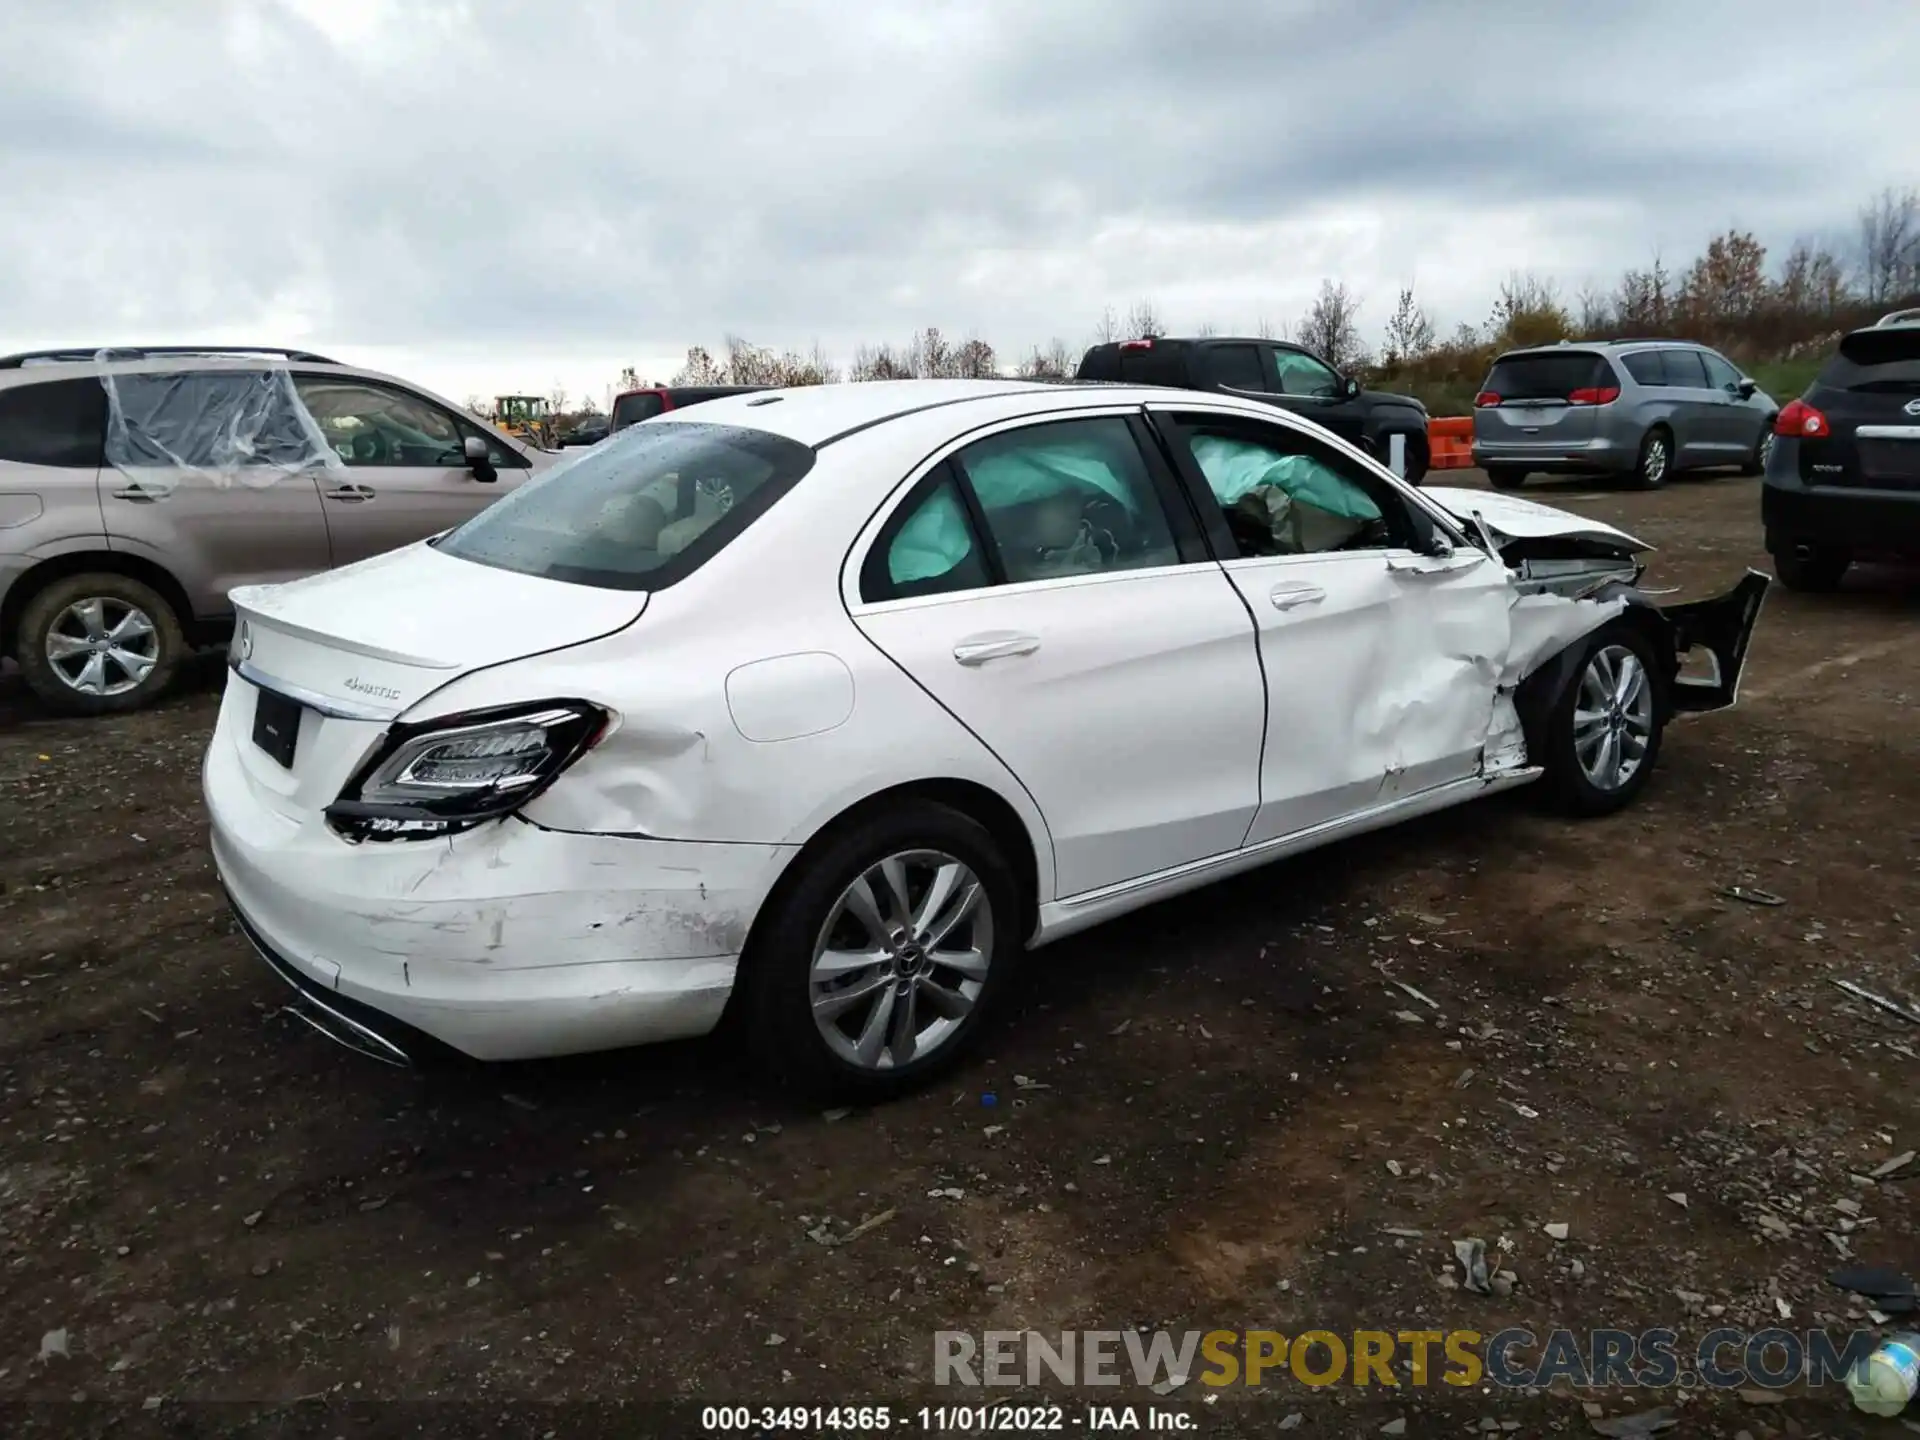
[633, 406]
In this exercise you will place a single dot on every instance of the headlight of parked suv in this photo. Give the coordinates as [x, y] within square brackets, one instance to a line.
[441, 776]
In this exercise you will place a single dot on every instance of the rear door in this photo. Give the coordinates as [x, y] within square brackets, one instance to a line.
[1530, 398]
[1696, 407]
[1380, 656]
[406, 475]
[1048, 587]
[172, 492]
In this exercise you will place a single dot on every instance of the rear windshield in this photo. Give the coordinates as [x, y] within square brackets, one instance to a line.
[632, 409]
[1886, 360]
[637, 512]
[1548, 375]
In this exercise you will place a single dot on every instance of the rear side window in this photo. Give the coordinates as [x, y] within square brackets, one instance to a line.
[1547, 374]
[1161, 363]
[928, 548]
[1237, 367]
[57, 422]
[642, 510]
[1684, 367]
[1885, 361]
[632, 409]
[1645, 367]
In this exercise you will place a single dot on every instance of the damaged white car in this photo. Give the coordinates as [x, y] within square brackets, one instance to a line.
[820, 707]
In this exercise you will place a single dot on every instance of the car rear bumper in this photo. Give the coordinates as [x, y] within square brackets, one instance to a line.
[505, 943]
[1568, 457]
[1867, 522]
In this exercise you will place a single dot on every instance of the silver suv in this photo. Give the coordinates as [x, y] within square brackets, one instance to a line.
[138, 487]
[1639, 409]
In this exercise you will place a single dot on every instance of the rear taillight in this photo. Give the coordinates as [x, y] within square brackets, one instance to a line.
[1136, 344]
[1484, 399]
[1594, 395]
[1802, 420]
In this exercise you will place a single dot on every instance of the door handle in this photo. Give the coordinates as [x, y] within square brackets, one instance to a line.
[978, 649]
[137, 494]
[1289, 596]
[350, 493]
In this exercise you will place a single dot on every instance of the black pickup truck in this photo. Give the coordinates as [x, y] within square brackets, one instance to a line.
[1278, 373]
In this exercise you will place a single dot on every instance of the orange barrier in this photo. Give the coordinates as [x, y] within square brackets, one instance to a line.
[1450, 443]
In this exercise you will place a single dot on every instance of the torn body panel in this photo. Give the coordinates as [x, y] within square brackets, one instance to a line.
[503, 942]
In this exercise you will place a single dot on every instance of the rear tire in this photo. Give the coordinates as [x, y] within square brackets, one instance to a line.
[803, 954]
[1762, 452]
[99, 644]
[1603, 737]
[1504, 478]
[1654, 465]
[1818, 572]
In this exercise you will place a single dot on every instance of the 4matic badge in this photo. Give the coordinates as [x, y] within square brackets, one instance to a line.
[363, 687]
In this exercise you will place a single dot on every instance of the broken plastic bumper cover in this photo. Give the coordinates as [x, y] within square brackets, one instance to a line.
[1723, 627]
[360, 1028]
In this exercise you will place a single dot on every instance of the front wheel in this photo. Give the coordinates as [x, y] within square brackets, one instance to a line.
[1604, 734]
[876, 969]
[98, 644]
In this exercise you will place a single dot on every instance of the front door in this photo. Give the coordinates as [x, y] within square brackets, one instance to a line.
[1381, 655]
[406, 475]
[1047, 586]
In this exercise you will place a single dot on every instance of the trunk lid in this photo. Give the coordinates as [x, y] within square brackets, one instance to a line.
[1536, 404]
[370, 640]
[1870, 394]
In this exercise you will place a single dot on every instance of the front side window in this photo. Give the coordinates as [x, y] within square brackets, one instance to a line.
[57, 422]
[1297, 373]
[1720, 374]
[1286, 494]
[373, 425]
[642, 510]
[1070, 497]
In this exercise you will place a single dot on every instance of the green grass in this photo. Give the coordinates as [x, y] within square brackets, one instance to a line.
[1787, 380]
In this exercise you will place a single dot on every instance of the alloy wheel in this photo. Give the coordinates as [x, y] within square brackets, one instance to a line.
[901, 960]
[1654, 468]
[102, 646]
[1613, 719]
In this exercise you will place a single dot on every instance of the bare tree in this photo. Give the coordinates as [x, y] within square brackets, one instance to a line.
[557, 401]
[1643, 305]
[701, 369]
[1108, 330]
[477, 405]
[1144, 321]
[1409, 333]
[1890, 244]
[975, 360]
[881, 362]
[629, 378]
[1265, 329]
[1054, 362]
[1595, 313]
[1330, 328]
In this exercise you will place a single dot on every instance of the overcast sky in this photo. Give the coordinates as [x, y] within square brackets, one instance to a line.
[490, 196]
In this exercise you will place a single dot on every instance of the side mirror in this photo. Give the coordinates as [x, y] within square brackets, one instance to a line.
[1746, 388]
[479, 461]
[1350, 387]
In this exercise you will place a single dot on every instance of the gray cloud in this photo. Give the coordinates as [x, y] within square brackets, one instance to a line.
[603, 177]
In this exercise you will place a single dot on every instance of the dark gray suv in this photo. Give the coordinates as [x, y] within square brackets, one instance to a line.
[1641, 410]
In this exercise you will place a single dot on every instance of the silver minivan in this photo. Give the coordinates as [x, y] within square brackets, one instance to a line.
[1641, 410]
[138, 487]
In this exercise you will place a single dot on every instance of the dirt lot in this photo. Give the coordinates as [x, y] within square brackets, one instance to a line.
[1225, 1104]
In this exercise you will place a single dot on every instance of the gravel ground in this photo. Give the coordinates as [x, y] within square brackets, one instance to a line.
[1212, 1116]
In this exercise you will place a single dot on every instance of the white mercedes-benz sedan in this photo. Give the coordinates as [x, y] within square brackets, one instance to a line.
[823, 706]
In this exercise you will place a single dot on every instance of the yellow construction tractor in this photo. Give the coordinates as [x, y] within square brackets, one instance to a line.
[525, 417]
